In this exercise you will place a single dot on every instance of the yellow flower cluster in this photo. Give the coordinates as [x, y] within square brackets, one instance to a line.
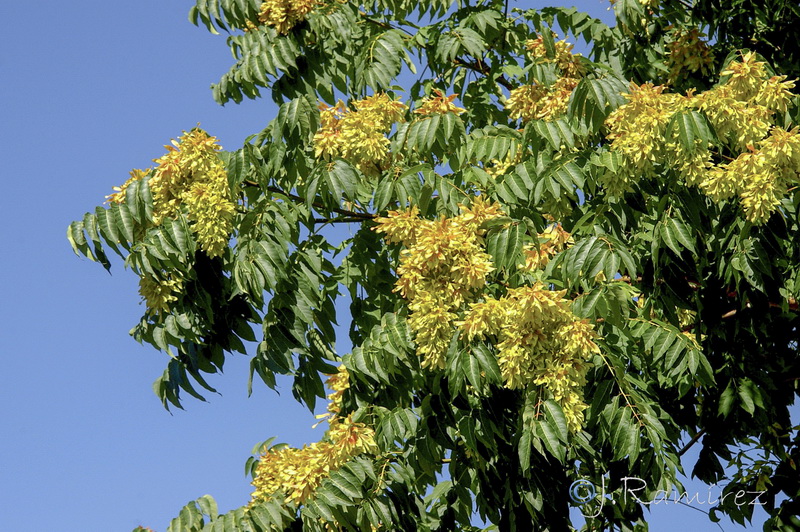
[497, 167]
[297, 473]
[338, 383]
[539, 101]
[119, 192]
[637, 131]
[191, 174]
[439, 104]
[283, 15]
[565, 60]
[761, 176]
[358, 134]
[441, 267]
[741, 110]
[540, 342]
[688, 52]
[552, 240]
[159, 294]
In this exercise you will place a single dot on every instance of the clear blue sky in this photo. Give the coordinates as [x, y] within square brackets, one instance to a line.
[90, 90]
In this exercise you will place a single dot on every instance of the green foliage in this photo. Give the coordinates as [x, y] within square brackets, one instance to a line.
[695, 308]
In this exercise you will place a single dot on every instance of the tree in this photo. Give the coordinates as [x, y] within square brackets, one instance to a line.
[563, 271]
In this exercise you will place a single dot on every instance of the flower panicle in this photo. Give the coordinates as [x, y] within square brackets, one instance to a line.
[442, 266]
[295, 474]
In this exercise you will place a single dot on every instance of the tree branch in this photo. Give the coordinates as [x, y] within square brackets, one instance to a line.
[340, 220]
[694, 440]
[356, 216]
[482, 68]
[383, 25]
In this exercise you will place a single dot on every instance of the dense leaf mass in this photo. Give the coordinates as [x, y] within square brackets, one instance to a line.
[561, 268]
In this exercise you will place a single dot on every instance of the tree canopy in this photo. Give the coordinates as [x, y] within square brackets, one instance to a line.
[562, 271]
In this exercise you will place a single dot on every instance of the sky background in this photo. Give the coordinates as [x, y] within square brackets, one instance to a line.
[90, 90]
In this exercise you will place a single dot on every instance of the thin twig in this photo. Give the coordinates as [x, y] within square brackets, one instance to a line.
[359, 216]
[483, 68]
[341, 220]
[694, 440]
[384, 25]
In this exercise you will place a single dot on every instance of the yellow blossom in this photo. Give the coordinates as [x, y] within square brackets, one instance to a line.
[539, 101]
[637, 130]
[190, 178]
[442, 266]
[539, 342]
[192, 175]
[745, 76]
[740, 122]
[158, 294]
[358, 134]
[283, 15]
[439, 104]
[119, 192]
[569, 63]
[775, 93]
[296, 473]
[552, 240]
[400, 226]
[741, 110]
[339, 382]
[473, 216]
[497, 167]
[760, 176]
[688, 53]
[692, 165]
